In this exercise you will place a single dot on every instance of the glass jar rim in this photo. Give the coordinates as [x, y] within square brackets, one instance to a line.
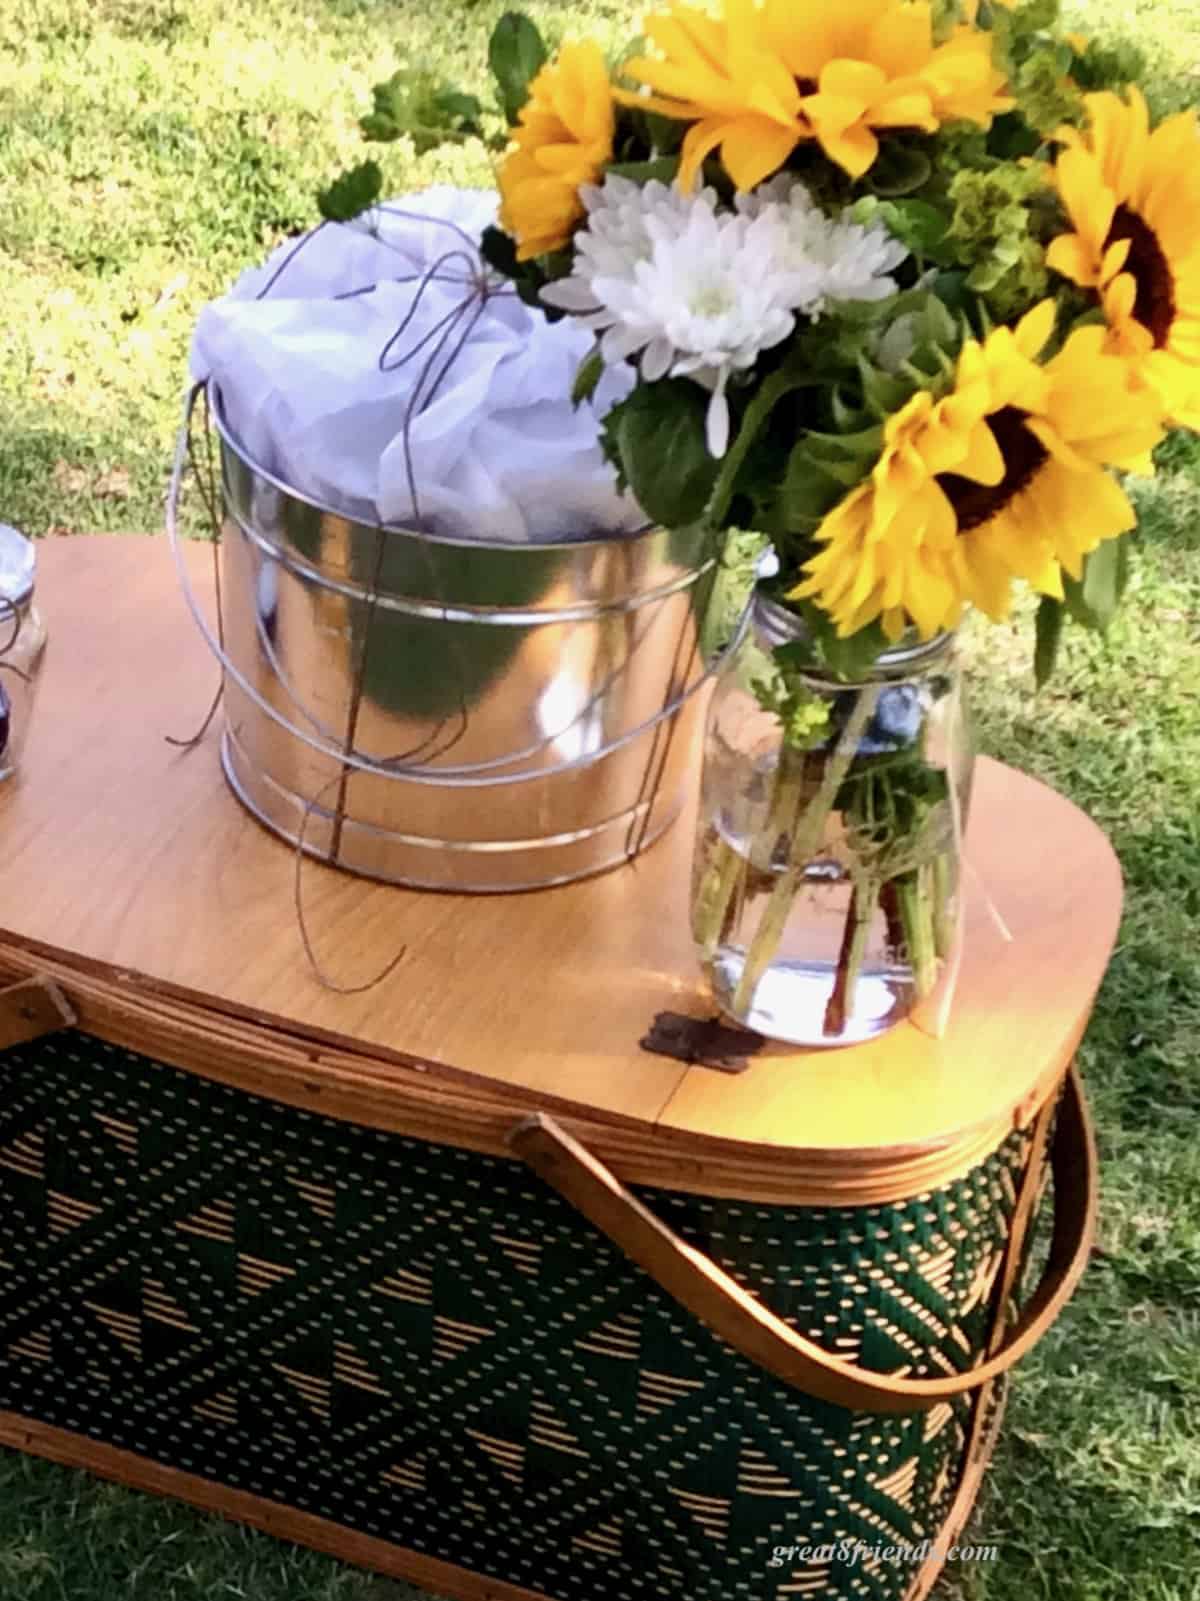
[784, 625]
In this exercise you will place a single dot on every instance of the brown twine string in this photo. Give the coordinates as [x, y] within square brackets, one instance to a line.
[423, 393]
[650, 786]
[429, 381]
[298, 902]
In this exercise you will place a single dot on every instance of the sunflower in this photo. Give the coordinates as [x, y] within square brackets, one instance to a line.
[1133, 199]
[563, 139]
[1003, 478]
[724, 77]
[767, 77]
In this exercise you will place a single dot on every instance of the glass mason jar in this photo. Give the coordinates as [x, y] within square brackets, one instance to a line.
[825, 891]
[22, 644]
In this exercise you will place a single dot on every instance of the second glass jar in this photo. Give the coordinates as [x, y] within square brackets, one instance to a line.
[22, 644]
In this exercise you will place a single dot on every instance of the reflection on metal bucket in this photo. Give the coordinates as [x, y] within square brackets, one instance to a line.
[450, 714]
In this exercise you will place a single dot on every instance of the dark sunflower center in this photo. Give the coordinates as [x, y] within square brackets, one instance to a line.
[1154, 307]
[975, 504]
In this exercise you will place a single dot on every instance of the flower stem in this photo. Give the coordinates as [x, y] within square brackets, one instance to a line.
[863, 902]
[943, 923]
[715, 896]
[724, 876]
[916, 912]
[766, 398]
[889, 902]
[785, 805]
[806, 841]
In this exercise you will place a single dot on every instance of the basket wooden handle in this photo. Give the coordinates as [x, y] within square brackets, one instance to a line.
[30, 1009]
[711, 1295]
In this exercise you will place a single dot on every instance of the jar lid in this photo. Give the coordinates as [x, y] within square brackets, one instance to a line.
[18, 564]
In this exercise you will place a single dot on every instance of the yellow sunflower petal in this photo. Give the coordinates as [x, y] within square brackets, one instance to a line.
[904, 108]
[1090, 203]
[754, 148]
[1056, 447]
[1110, 511]
[853, 148]
[1069, 256]
[1119, 134]
[1120, 297]
[987, 582]
[857, 83]
[564, 139]
[1115, 258]
[685, 35]
[901, 41]
[660, 104]
[1035, 328]
[983, 462]
[701, 139]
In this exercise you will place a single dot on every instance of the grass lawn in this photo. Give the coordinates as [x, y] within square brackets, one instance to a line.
[151, 148]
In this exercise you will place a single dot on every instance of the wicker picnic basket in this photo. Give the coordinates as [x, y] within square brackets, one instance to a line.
[459, 1282]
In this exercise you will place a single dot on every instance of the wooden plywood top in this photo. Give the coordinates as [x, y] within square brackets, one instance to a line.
[129, 860]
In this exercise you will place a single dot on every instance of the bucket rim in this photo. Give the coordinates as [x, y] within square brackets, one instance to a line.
[213, 390]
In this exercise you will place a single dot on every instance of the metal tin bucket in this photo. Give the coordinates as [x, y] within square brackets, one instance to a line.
[452, 714]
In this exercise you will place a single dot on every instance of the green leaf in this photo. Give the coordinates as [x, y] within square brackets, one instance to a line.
[664, 169]
[899, 170]
[733, 586]
[656, 440]
[415, 104]
[803, 712]
[516, 54]
[848, 659]
[463, 110]
[353, 193]
[821, 470]
[1051, 615]
[917, 224]
[499, 250]
[923, 229]
[1094, 600]
[589, 374]
[663, 134]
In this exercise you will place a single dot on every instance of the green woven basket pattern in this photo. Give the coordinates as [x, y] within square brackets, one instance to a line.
[426, 1345]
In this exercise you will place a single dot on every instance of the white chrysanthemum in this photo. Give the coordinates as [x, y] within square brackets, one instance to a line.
[691, 290]
[855, 260]
[688, 290]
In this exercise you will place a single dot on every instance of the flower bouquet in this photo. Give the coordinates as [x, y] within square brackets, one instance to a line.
[905, 284]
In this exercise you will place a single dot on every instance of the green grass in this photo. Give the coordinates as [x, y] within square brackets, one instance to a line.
[149, 149]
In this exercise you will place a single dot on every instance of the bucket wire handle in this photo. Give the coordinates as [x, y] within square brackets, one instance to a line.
[714, 1297]
[208, 495]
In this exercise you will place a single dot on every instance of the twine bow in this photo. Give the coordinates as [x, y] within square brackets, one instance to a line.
[473, 275]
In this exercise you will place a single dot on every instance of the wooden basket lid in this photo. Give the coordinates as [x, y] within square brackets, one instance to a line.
[133, 876]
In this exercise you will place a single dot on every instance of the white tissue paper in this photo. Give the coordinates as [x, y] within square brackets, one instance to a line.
[499, 455]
